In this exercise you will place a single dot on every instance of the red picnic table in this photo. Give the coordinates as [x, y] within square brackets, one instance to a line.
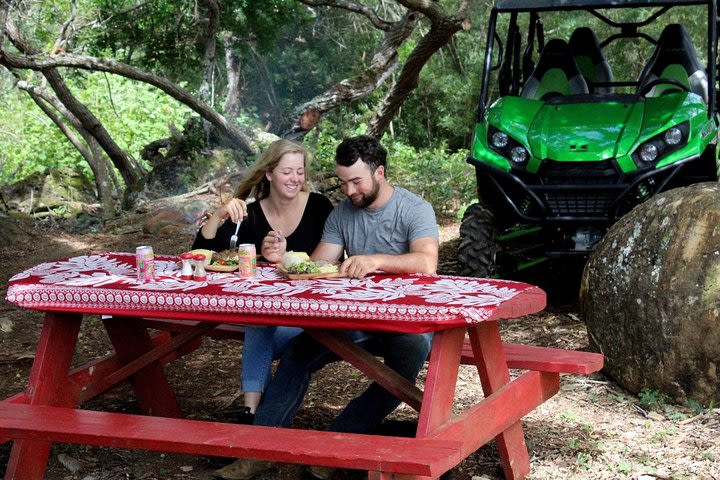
[185, 310]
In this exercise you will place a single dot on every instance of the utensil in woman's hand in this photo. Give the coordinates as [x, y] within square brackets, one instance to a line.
[234, 238]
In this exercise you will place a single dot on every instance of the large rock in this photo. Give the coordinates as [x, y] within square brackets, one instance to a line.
[190, 159]
[63, 191]
[176, 218]
[650, 295]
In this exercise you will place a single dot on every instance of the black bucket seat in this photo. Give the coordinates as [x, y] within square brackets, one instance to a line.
[555, 74]
[590, 60]
[675, 58]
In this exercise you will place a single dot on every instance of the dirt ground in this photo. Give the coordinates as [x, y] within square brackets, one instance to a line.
[592, 429]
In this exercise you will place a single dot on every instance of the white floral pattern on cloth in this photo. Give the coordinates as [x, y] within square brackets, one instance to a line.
[106, 283]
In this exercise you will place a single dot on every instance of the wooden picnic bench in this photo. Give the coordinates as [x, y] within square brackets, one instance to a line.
[465, 333]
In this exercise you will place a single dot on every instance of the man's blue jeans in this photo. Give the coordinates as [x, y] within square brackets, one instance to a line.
[404, 353]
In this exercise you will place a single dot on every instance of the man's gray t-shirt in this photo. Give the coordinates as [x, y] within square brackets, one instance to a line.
[389, 229]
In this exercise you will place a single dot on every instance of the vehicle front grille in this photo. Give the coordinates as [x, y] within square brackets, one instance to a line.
[578, 173]
[579, 204]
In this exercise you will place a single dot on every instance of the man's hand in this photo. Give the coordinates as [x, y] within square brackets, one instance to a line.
[274, 246]
[359, 266]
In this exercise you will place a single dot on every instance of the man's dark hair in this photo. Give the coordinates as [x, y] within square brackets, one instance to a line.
[364, 148]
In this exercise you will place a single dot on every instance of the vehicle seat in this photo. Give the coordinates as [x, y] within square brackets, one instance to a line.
[555, 74]
[675, 58]
[590, 60]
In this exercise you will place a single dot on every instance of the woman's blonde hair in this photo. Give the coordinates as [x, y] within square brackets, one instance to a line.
[255, 183]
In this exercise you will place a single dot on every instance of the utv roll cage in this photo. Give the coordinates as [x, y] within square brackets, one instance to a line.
[515, 68]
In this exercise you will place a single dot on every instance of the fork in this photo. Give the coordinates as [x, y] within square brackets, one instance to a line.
[234, 238]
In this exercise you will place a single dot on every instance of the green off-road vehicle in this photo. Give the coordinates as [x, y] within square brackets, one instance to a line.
[567, 140]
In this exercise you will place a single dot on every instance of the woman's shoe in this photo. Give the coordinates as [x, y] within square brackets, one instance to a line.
[245, 417]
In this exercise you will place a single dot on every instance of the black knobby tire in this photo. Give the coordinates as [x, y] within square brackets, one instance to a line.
[477, 253]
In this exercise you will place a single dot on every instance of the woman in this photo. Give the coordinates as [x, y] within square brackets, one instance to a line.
[283, 214]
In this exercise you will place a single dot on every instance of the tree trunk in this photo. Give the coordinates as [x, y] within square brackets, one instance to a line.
[130, 170]
[347, 91]
[89, 151]
[440, 33]
[231, 108]
[207, 87]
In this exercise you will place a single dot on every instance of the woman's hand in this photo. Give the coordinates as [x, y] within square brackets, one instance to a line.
[236, 209]
[274, 246]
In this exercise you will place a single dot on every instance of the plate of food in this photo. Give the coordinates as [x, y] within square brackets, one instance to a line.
[225, 261]
[298, 266]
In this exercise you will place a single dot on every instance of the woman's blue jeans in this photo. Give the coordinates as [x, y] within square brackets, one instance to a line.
[404, 353]
[261, 346]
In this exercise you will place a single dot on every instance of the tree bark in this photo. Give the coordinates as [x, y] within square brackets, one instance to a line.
[89, 150]
[441, 32]
[231, 108]
[207, 87]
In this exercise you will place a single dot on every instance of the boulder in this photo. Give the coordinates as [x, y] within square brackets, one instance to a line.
[176, 218]
[63, 191]
[650, 295]
[189, 160]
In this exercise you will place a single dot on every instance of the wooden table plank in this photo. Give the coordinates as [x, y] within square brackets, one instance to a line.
[429, 457]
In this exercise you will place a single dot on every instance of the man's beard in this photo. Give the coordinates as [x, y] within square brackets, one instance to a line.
[366, 199]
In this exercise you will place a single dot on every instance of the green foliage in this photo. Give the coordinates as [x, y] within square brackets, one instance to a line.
[288, 53]
[651, 398]
[134, 114]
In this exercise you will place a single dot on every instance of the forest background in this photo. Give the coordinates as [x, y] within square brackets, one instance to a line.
[102, 92]
[117, 97]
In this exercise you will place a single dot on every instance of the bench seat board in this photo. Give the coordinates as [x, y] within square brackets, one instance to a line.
[427, 457]
[521, 357]
[544, 359]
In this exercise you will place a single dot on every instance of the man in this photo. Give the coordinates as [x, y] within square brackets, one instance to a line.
[381, 227]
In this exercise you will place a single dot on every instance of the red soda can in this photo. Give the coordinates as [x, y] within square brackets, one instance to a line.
[247, 266]
[145, 262]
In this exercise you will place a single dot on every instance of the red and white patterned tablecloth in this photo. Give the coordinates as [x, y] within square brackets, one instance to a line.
[106, 284]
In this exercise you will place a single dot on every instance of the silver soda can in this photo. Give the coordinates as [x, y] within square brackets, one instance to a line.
[145, 262]
[247, 266]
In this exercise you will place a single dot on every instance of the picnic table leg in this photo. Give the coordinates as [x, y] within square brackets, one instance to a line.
[151, 387]
[48, 385]
[492, 368]
[443, 366]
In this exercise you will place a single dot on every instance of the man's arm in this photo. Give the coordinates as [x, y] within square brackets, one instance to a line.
[327, 251]
[422, 258]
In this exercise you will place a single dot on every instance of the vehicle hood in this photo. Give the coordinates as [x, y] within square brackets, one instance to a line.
[579, 131]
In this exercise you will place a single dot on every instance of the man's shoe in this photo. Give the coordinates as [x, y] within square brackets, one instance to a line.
[316, 472]
[243, 469]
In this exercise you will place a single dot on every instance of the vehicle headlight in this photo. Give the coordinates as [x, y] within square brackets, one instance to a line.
[673, 136]
[507, 146]
[499, 139]
[648, 152]
[662, 144]
[519, 155]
